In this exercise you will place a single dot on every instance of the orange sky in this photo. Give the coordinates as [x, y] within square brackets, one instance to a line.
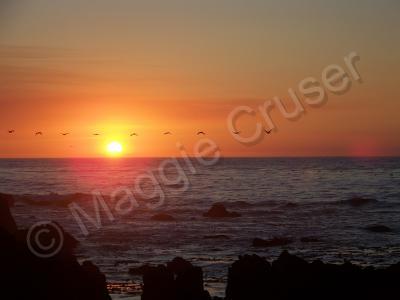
[149, 67]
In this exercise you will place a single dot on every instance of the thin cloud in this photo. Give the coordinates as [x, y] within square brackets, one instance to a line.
[31, 52]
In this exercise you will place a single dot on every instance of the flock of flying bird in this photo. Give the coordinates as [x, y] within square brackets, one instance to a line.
[265, 130]
[134, 133]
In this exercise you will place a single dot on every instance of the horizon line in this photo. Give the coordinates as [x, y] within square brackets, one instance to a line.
[194, 157]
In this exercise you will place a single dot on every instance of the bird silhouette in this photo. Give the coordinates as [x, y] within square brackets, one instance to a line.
[39, 133]
[134, 134]
[11, 131]
[64, 134]
[236, 132]
[201, 133]
[267, 131]
[167, 133]
[96, 134]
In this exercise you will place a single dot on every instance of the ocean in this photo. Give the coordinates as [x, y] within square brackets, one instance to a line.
[295, 198]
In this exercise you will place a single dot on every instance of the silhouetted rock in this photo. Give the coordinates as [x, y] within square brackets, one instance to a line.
[358, 201]
[287, 262]
[378, 228]
[216, 237]
[158, 284]
[179, 280]
[291, 277]
[163, 217]
[190, 285]
[179, 265]
[27, 276]
[7, 222]
[247, 278]
[219, 211]
[274, 242]
[141, 270]
[94, 281]
[52, 235]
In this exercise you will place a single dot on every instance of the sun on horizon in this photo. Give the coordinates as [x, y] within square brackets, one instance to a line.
[114, 148]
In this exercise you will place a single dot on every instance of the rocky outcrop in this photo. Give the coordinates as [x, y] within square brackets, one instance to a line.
[141, 270]
[378, 228]
[219, 211]
[290, 277]
[26, 276]
[216, 237]
[178, 280]
[158, 284]
[7, 222]
[358, 201]
[247, 278]
[162, 217]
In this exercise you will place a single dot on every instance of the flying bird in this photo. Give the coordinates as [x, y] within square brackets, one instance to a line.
[134, 134]
[39, 133]
[11, 131]
[201, 133]
[166, 133]
[268, 131]
[96, 134]
[64, 134]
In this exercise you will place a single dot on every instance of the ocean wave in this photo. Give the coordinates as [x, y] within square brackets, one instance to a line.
[184, 207]
[52, 199]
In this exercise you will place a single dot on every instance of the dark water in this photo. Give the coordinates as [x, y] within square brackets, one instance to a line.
[290, 197]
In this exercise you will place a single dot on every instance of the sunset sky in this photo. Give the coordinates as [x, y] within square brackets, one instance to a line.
[117, 67]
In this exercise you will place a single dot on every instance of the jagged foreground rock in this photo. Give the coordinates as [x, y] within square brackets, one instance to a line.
[290, 277]
[26, 276]
[178, 280]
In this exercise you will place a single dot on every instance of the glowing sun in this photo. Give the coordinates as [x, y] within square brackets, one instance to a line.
[114, 148]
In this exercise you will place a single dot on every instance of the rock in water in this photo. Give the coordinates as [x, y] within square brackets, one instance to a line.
[378, 228]
[357, 201]
[216, 236]
[163, 218]
[219, 211]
